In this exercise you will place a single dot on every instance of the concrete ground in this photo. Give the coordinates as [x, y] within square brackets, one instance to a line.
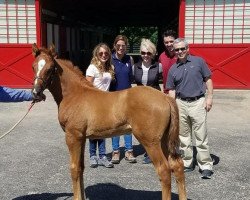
[34, 160]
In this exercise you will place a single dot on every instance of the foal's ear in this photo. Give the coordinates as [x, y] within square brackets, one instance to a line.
[52, 50]
[35, 50]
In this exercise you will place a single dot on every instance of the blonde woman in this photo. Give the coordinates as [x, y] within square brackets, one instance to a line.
[147, 71]
[100, 72]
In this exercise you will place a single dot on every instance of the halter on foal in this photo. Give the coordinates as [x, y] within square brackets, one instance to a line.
[86, 112]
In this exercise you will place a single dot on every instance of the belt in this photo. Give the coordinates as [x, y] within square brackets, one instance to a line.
[189, 99]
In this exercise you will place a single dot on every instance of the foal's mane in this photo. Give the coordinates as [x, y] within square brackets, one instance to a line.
[75, 70]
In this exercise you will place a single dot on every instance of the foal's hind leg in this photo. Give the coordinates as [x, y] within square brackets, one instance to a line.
[176, 165]
[76, 150]
[162, 168]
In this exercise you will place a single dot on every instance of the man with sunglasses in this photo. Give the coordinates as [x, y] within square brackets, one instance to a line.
[187, 81]
[167, 58]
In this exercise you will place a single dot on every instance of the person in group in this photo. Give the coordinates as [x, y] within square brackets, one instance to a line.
[187, 81]
[14, 95]
[100, 72]
[167, 57]
[147, 72]
[123, 79]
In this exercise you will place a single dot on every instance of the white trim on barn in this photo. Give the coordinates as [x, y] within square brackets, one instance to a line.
[217, 22]
[17, 22]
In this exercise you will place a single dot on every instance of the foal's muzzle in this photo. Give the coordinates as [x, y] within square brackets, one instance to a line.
[37, 93]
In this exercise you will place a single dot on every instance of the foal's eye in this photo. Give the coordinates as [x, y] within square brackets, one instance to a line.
[50, 70]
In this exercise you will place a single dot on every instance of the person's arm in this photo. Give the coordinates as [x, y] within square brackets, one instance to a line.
[159, 59]
[209, 98]
[171, 93]
[14, 95]
[132, 61]
[131, 70]
[160, 74]
[170, 85]
[133, 73]
[90, 78]
[91, 73]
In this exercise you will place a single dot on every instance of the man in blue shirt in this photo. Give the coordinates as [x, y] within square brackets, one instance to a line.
[187, 81]
[14, 95]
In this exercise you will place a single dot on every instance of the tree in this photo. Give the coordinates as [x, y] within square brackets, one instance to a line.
[135, 34]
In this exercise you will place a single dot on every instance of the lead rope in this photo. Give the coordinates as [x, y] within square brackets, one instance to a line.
[31, 105]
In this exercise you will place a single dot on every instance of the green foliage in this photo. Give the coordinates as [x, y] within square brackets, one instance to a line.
[135, 34]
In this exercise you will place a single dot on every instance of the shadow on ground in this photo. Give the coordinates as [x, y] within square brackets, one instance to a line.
[109, 191]
[46, 196]
[103, 191]
[215, 159]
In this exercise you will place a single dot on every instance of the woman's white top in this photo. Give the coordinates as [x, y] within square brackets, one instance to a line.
[101, 80]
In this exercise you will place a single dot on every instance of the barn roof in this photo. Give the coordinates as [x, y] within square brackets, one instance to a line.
[117, 13]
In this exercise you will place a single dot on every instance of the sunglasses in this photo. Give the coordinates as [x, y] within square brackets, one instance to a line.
[182, 49]
[103, 53]
[146, 53]
[118, 46]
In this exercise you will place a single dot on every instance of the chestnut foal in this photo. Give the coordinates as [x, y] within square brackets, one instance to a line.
[86, 112]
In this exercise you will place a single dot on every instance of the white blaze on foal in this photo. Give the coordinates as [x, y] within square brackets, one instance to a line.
[41, 64]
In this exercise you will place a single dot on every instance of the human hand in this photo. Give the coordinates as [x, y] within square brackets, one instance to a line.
[209, 103]
[38, 98]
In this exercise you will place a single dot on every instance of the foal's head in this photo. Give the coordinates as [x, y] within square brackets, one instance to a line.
[44, 68]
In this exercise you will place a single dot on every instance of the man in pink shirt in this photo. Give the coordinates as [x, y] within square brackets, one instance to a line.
[167, 58]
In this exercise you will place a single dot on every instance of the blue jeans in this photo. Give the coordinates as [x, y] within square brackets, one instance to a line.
[127, 141]
[93, 147]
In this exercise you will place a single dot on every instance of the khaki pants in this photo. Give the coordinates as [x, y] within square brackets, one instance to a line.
[193, 132]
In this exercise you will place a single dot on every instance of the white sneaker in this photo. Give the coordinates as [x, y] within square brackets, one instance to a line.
[105, 162]
[93, 161]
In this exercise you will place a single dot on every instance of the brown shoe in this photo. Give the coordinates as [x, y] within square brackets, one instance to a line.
[130, 157]
[115, 157]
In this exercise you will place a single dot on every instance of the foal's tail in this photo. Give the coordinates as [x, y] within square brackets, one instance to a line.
[173, 134]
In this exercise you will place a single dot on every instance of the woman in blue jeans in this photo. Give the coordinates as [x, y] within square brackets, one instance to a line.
[147, 72]
[102, 160]
[128, 149]
[100, 72]
[123, 76]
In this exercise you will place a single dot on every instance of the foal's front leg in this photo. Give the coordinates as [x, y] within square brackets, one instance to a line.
[76, 149]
